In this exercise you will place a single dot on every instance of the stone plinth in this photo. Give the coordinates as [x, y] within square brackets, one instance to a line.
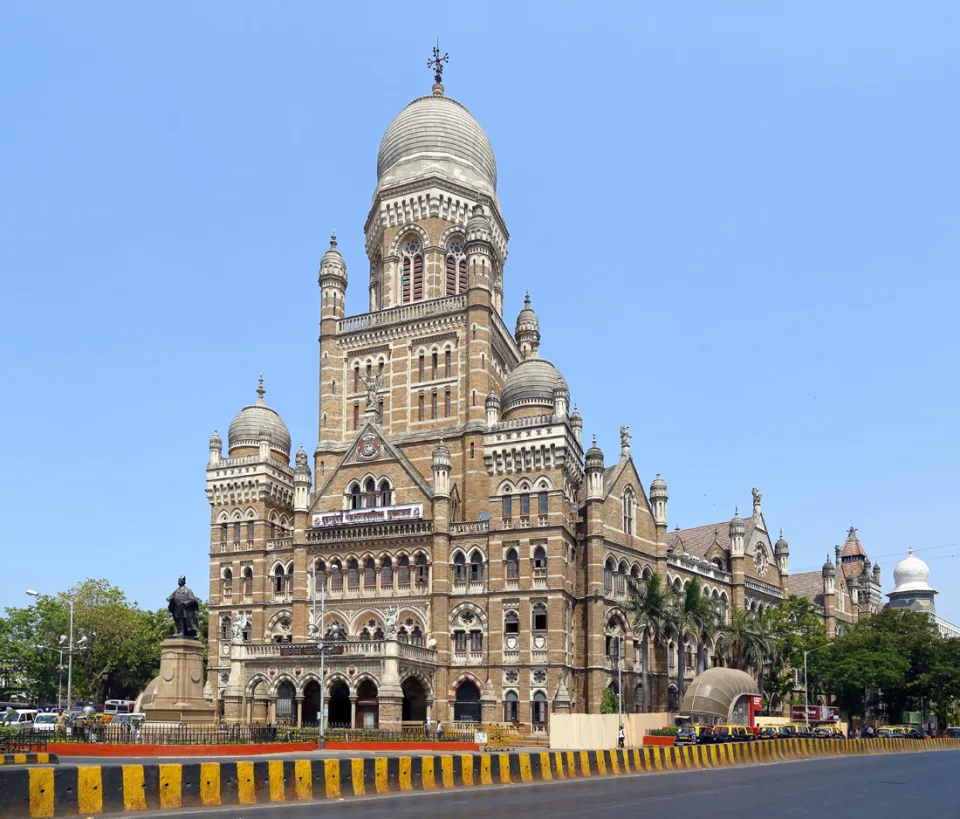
[177, 693]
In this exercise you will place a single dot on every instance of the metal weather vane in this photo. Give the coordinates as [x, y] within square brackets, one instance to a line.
[437, 61]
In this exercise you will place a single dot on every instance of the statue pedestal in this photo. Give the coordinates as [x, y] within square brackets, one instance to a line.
[176, 695]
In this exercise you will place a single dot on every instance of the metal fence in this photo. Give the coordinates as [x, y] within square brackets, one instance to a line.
[22, 741]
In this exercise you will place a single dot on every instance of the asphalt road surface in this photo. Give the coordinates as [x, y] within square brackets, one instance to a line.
[873, 787]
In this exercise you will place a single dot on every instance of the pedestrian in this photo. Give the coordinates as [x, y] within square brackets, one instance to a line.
[426, 727]
[61, 723]
[620, 737]
[439, 730]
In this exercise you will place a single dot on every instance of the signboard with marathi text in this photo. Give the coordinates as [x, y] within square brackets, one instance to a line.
[815, 713]
[373, 514]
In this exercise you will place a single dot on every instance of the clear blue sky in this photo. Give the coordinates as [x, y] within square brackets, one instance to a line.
[737, 222]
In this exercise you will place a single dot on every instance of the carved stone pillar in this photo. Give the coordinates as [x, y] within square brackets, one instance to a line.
[299, 712]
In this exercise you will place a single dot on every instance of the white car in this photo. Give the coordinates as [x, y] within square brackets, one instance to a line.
[45, 722]
[22, 718]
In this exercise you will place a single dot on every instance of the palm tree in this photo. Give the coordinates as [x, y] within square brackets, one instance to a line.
[681, 626]
[738, 637]
[764, 647]
[647, 604]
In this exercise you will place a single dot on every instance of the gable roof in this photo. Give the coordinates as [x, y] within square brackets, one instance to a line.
[852, 547]
[388, 453]
[698, 540]
[807, 584]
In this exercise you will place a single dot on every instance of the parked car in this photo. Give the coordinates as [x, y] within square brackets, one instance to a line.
[735, 733]
[711, 736]
[22, 718]
[45, 722]
[787, 732]
[768, 732]
[827, 732]
[129, 721]
[953, 733]
[688, 735]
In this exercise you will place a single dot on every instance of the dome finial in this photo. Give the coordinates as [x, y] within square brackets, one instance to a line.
[594, 439]
[910, 551]
[526, 299]
[333, 240]
[436, 63]
[260, 391]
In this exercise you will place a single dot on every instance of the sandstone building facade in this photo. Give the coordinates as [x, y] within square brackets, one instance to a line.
[471, 550]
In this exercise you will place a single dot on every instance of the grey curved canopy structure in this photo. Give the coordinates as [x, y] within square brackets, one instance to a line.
[716, 692]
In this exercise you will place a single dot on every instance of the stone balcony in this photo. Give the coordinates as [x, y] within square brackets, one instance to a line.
[369, 531]
[763, 588]
[698, 566]
[348, 650]
[396, 315]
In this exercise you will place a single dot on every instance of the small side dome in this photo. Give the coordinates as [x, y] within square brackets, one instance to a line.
[492, 402]
[332, 263]
[781, 547]
[737, 526]
[594, 455]
[658, 488]
[258, 420]
[575, 417]
[441, 455]
[303, 467]
[828, 568]
[216, 442]
[531, 384]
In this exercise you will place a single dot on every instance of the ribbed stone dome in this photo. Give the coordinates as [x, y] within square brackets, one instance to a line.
[251, 421]
[437, 135]
[531, 384]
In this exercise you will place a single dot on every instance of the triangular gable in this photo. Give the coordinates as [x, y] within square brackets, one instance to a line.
[371, 437]
[613, 477]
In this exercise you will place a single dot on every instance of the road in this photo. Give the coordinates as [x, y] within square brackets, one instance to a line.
[872, 787]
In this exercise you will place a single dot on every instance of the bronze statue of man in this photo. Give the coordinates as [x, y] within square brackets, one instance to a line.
[185, 608]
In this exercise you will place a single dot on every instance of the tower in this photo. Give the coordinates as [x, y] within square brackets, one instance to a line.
[781, 551]
[829, 574]
[658, 499]
[332, 279]
[737, 559]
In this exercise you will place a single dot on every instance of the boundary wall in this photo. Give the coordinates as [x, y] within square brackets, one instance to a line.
[45, 791]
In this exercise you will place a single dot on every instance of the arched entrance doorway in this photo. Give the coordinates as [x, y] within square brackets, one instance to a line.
[368, 709]
[339, 708]
[311, 703]
[414, 700]
[285, 695]
[466, 707]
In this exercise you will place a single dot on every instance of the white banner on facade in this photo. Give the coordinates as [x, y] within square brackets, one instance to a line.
[375, 514]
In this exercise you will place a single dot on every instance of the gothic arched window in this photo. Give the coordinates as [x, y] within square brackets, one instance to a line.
[411, 270]
[513, 564]
[456, 267]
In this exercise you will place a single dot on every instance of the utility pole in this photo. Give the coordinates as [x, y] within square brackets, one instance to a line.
[72, 648]
[317, 631]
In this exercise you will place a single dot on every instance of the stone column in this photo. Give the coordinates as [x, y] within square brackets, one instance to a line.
[353, 712]
[299, 712]
[390, 694]
[261, 708]
[272, 711]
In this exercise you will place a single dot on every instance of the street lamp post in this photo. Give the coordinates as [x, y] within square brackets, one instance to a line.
[806, 704]
[317, 632]
[71, 649]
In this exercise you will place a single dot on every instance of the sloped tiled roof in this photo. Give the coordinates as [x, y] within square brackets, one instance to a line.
[852, 546]
[698, 539]
[807, 584]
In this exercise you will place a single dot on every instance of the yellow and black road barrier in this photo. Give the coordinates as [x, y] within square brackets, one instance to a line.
[28, 759]
[40, 791]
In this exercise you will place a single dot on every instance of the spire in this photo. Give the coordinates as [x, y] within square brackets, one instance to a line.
[333, 239]
[436, 63]
[260, 392]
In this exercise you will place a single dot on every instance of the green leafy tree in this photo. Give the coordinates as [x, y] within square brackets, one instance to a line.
[122, 653]
[608, 702]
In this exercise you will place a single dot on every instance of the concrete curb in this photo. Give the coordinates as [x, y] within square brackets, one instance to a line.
[28, 759]
[94, 789]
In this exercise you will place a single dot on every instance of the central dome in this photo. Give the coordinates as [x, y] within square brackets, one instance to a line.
[437, 135]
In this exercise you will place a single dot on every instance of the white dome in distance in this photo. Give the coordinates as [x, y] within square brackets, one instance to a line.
[911, 575]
